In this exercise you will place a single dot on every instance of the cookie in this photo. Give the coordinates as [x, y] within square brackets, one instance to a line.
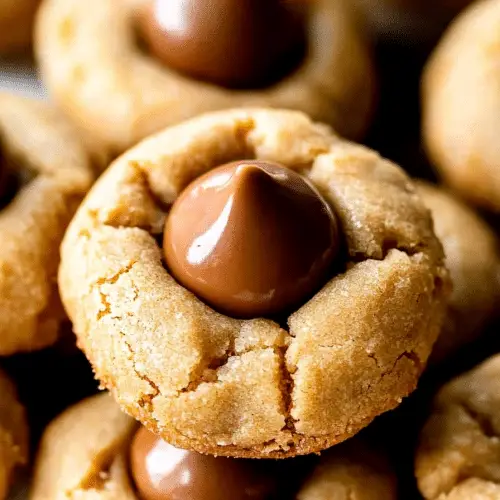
[458, 456]
[98, 73]
[85, 453]
[255, 387]
[457, 130]
[46, 172]
[16, 24]
[13, 434]
[472, 257]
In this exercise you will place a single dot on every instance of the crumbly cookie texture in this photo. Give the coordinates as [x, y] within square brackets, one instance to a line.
[218, 385]
[33, 224]
[459, 452]
[458, 131]
[91, 62]
[472, 257]
[83, 454]
[16, 24]
[13, 434]
[351, 471]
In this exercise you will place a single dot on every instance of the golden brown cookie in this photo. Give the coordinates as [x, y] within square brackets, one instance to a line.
[16, 24]
[410, 20]
[351, 471]
[458, 457]
[84, 454]
[47, 160]
[459, 131]
[472, 257]
[220, 385]
[94, 68]
[13, 434]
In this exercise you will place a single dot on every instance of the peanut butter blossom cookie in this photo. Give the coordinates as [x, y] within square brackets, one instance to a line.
[44, 174]
[458, 457]
[125, 69]
[16, 24]
[473, 259]
[13, 434]
[112, 458]
[247, 283]
[460, 133]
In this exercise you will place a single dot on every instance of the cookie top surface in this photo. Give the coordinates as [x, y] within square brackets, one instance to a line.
[94, 67]
[221, 385]
[98, 437]
[458, 456]
[51, 174]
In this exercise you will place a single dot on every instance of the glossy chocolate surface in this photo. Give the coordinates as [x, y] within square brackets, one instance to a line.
[251, 239]
[162, 472]
[232, 43]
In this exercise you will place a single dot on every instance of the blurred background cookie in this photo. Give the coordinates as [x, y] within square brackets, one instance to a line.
[471, 249]
[461, 105]
[44, 175]
[124, 69]
[458, 457]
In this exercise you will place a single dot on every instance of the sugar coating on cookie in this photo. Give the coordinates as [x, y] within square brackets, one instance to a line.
[100, 439]
[13, 434]
[472, 257]
[54, 174]
[458, 456]
[461, 134]
[251, 388]
[118, 93]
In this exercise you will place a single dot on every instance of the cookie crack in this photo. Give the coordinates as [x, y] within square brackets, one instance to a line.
[287, 388]
[145, 400]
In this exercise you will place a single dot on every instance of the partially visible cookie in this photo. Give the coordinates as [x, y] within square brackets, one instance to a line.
[460, 133]
[13, 434]
[16, 24]
[458, 456]
[95, 68]
[351, 471]
[45, 175]
[85, 454]
[473, 259]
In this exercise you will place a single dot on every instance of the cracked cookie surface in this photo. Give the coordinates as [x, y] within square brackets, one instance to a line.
[472, 257]
[13, 434]
[33, 223]
[92, 64]
[84, 453]
[459, 451]
[211, 383]
[457, 130]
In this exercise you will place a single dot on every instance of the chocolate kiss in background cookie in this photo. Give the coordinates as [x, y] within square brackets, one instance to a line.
[251, 238]
[232, 43]
[162, 472]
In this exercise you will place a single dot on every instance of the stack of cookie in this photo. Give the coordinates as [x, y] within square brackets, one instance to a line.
[257, 295]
